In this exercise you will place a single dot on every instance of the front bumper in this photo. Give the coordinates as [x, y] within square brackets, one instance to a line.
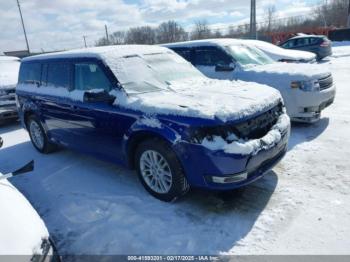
[206, 168]
[310, 104]
[8, 112]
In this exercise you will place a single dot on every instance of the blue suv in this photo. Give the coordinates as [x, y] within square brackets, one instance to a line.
[147, 108]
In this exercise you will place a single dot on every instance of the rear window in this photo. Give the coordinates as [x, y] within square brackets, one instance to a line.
[58, 74]
[30, 73]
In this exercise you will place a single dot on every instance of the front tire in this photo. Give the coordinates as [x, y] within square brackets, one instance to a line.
[38, 136]
[160, 171]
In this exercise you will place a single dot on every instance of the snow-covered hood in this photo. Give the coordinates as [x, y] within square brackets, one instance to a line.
[295, 72]
[205, 98]
[22, 230]
[297, 55]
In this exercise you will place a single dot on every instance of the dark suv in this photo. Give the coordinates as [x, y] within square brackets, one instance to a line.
[317, 44]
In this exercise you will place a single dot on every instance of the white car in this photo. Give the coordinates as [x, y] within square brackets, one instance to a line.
[306, 88]
[9, 68]
[280, 54]
[22, 230]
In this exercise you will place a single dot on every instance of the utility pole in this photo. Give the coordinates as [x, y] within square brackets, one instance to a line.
[107, 35]
[84, 36]
[253, 34]
[24, 29]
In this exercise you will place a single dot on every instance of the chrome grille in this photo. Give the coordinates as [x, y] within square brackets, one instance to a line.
[326, 82]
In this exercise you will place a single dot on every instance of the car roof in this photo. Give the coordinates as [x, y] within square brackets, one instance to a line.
[207, 42]
[306, 36]
[116, 51]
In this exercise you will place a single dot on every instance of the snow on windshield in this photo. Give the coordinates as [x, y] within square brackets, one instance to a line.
[248, 56]
[151, 72]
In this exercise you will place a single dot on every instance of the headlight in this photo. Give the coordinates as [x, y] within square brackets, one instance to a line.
[307, 86]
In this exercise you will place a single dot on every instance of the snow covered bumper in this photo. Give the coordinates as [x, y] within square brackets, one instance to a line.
[223, 170]
[310, 104]
[8, 109]
[8, 113]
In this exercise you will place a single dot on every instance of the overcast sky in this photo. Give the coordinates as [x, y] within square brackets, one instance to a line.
[60, 24]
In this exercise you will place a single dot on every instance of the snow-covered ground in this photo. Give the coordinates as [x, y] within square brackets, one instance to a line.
[301, 207]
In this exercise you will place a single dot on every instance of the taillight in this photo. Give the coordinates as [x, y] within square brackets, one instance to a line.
[324, 44]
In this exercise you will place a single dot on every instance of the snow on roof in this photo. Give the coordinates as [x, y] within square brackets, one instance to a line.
[116, 51]
[4, 58]
[215, 41]
[304, 35]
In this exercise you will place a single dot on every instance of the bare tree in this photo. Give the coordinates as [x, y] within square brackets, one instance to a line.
[101, 42]
[334, 13]
[201, 30]
[118, 38]
[271, 16]
[141, 35]
[171, 31]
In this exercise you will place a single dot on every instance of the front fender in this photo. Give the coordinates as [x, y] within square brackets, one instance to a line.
[142, 130]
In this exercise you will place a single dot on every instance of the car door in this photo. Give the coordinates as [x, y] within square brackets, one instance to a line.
[303, 43]
[53, 101]
[99, 126]
[213, 62]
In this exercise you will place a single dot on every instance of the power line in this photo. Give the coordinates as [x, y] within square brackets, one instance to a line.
[24, 29]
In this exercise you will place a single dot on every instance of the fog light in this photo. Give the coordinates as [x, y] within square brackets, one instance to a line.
[230, 179]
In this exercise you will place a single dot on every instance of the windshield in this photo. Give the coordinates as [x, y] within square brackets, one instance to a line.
[248, 56]
[152, 72]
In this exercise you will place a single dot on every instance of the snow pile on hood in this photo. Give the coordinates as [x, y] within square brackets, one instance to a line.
[253, 146]
[204, 98]
[9, 68]
[22, 230]
[296, 72]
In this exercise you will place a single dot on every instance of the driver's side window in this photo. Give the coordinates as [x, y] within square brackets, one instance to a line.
[211, 56]
[88, 76]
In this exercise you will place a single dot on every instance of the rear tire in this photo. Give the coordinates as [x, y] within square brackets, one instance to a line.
[38, 136]
[160, 171]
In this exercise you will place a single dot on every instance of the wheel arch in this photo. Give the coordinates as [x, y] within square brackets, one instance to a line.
[136, 138]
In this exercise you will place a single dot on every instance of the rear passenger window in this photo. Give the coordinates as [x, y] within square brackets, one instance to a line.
[30, 73]
[314, 41]
[58, 75]
[90, 76]
[211, 57]
[302, 41]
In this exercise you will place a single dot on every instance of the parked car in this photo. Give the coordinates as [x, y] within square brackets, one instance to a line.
[317, 44]
[280, 54]
[22, 230]
[147, 108]
[306, 88]
[9, 67]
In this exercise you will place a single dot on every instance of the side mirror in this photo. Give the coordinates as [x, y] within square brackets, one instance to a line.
[102, 96]
[224, 68]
